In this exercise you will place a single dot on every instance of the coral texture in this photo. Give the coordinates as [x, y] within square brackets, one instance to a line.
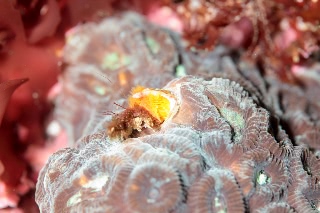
[230, 145]
[212, 154]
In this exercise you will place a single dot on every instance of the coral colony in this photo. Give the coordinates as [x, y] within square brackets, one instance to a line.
[219, 113]
[222, 142]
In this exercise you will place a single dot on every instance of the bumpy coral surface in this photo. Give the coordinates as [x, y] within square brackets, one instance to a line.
[219, 152]
[221, 141]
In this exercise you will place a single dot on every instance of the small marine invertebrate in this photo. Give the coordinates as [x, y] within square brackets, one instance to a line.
[131, 122]
[160, 103]
[153, 188]
[215, 191]
[148, 109]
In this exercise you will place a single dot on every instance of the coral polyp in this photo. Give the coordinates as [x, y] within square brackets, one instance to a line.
[215, 191]
[153, 188]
